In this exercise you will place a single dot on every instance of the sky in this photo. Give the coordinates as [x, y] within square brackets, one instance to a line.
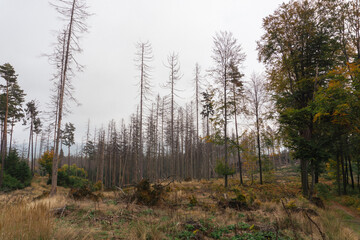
[107, 89]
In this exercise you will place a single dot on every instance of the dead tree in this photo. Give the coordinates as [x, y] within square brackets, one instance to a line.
[174, 77]
[143, 57]
[257, 97]
[74, 13]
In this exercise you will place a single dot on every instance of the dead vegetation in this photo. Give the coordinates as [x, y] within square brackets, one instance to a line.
[19, 220]
[149, 195]
[170, 210]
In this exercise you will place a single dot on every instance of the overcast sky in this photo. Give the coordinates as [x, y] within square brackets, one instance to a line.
[107, 87]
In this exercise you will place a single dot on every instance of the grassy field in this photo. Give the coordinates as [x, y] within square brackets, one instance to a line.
[186, 210]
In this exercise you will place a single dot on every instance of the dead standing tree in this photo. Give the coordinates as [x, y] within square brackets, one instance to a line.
[174, 76]
[143, 57]
[257, 97]
[198, 89]
[74, 13]
[226, 53]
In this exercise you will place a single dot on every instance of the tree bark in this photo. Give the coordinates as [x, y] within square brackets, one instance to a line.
[4, 138]
[351, 172]
[61, 101]
[237, 137]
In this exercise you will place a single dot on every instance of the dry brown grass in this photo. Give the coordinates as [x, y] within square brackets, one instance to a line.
[117, 218]
[19, 220]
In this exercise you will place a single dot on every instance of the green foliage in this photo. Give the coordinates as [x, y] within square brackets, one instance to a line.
[11, 183]
[258, 236]
[268, 171]
[17, 168]
[15, 94]
[223, 169]
[299, 54]
[323, 190]
[74, 171]
[67, 177]
[97, 186]
[351, 201]
[74, 177]
[17, 173]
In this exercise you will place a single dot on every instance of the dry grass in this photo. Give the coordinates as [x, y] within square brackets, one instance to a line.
[334, 226]
[19, 220]
[117, 218]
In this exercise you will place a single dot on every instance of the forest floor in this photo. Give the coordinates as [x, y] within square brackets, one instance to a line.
[186, 210]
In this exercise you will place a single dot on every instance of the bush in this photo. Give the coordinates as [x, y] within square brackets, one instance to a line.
[323, 190]
[223, 169]
[148, 195]
[97, 186]
[77, 182]
[72, 177]
[45, 162]
[17, 173]
[10, 183]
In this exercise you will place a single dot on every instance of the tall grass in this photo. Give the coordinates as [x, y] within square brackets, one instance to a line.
[22, 221]
[334, 226]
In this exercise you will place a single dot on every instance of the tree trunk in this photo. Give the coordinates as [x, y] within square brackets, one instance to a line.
[258, 144]
[11, 133]
[4, 138]
[358, 173]
[32, 154]
[338, 172]
[237, 137]
[35, 149]
[61, 101]
[351, 172]
[225, 126]
[312, 179]
[304, 176]
[343, 173]
[69, 158]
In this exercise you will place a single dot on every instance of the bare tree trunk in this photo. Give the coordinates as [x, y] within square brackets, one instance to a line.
[29, 149]
[61, 102]
[225, 123]
[100, 170]
[69, 157]
[237, 136]
[32, 153]
[11, 133]
[258, 145]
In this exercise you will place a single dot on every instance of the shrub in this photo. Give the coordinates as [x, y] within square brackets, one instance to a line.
[23, 173]
[323, 190]
[10, 183]
[72, 177]
[17, 172]
[46, 162]
[223, 169]
[78, 182]
[148, 195]
[97, 186]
